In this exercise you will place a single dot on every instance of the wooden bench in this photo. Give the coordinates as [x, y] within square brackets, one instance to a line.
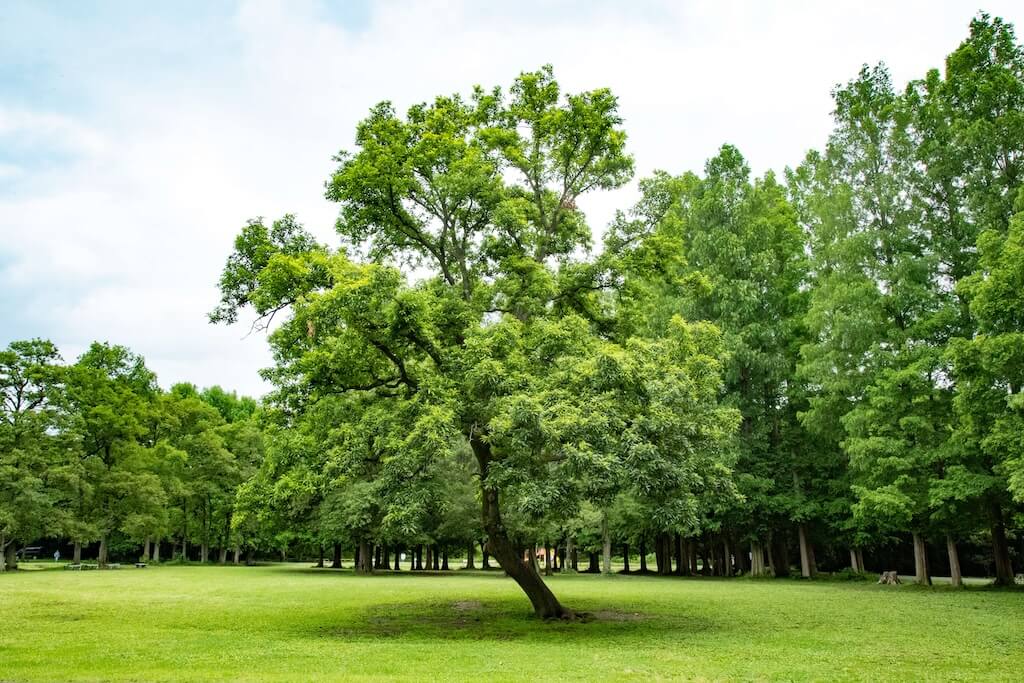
[140, 565]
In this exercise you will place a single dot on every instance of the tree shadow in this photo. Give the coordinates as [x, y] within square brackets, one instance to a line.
[498, 620]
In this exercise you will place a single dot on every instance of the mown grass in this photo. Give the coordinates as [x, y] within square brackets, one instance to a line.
[289, 622]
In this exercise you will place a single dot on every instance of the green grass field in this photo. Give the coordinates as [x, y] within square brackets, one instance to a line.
[289, 622]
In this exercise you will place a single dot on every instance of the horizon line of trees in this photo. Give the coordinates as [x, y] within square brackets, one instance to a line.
[750, 370]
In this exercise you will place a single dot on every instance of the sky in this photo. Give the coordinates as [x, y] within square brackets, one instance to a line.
[137, 138]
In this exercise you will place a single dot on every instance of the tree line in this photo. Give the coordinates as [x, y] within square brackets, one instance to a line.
[743, 370]
[95, 451]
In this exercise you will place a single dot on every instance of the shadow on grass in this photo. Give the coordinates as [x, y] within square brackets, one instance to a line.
[474, 620]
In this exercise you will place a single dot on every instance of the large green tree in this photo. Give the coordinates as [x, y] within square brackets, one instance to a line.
[464, 302]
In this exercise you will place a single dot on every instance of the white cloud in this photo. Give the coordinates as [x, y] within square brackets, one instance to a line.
[123, 239]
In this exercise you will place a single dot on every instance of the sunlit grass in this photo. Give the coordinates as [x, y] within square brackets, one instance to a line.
[289, 622]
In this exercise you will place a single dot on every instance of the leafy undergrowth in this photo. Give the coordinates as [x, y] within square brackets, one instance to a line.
[288, 622]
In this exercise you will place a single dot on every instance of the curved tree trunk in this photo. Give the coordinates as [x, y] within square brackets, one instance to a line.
[545, 604]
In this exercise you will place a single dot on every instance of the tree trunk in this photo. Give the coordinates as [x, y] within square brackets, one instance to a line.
[336, 558]
[694, 569]
[757, 567]
[430, 557]
[921, 576]
[726, 556]
[204, 553]
[156, 550]
[319, 563]
[250, 556]
[102, 559]
[444, 559]
[606, 549]
[853, 560]
[1000, 548]
[398, 557]
[145, 550]
[545, 604]
[76, 556]
[485, 557]
[471, 555]
[625, 558]
[643, 555]
[860, 560]
[741, 561]
[570, 551]
[419, 557]
[680, 562]
[808, 568]
[223, 558]
[364, 564]
[10, 561]
[954, 562]
[238, 553]
[547, 559]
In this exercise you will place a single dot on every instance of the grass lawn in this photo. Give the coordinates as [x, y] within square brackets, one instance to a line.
[289, 622]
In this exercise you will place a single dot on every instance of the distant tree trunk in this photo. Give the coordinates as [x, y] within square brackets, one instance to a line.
[778, 554]
[204, 552]
[223, 558]
[102, 559]
[643, 555]
[1000, 548]
[485, 557]
[77, 553]
[444, 559]
[336, 556]
[705, 560]
[606, 549]
[145, 550]
[560, 554]
[694, 569]
[548, 559]
[954, 562]
[757, 567]
[364, 563]
[680, 562]
[741, 560]
[808, 567]
[419, 557]
[594, 563]
[398, 557]
[570, 551]
[156, 550]
[250, 557]
[860, 560]
[429, 557]
[726, 556]
[625, 558]
[319, 563]
[10, 562]
[376, 557]
[921, 575]
[471, 555]
[853, 560]
[238, 553]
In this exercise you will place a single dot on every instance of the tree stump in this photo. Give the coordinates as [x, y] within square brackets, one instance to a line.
[889, 578]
